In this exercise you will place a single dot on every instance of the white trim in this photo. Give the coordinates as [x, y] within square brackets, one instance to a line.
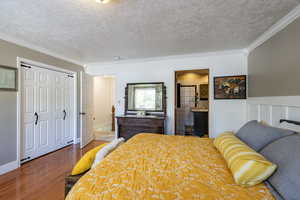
[162, 58]
[77, 140]
[90, 140]
[8, 167]
[19, 100]
[280, 25]
[37, 48]
[51, 67]
[75, 110]
[81, 109]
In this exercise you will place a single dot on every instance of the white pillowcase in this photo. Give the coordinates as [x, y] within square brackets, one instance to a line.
[289, 126]
[102, 153]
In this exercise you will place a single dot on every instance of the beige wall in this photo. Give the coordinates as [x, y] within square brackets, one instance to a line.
[8, 100]
[274, 67]
[104, 99]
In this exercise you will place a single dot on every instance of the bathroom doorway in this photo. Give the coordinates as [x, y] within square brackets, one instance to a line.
[192, 102]
[104, 107]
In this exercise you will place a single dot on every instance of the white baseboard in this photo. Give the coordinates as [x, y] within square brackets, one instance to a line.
[77, 141]
[90, 140]
[8, 167]
[103, 127]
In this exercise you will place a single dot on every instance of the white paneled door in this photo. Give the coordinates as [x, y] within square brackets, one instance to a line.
[86, 109]
[63, 109]
[47, 119]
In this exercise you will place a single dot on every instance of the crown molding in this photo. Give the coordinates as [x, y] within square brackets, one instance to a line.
[173, 57]
[37, 48]
[277, 27]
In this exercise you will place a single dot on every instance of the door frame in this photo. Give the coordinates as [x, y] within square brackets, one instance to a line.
[19, 99]
[210, 100]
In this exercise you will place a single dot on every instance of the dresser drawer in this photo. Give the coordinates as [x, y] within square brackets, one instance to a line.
[141, 122]
[130, 126]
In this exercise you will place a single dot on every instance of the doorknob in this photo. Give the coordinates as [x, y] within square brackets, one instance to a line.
[65, 114]
[36, 118]
[82, 113]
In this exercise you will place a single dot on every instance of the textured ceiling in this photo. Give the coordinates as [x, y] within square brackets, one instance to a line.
[90, 32]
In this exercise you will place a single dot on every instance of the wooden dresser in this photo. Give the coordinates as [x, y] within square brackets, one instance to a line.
[130, 125]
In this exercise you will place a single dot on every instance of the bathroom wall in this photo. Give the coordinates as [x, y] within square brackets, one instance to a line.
[104, 99]
[194, 78]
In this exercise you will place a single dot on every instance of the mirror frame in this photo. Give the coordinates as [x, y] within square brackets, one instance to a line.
[152, 112]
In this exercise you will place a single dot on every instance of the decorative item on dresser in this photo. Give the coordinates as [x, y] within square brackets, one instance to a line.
[146, 98]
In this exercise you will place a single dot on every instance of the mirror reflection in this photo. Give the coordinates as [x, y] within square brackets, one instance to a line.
[145, 96]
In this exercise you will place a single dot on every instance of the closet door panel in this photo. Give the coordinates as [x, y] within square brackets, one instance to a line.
[28, 147]
[29, 140]
[59, 109]
[68, 108]
[44, 134]
[58, 132]
[44, 109]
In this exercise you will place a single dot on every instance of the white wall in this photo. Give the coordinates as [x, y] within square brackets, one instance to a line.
[225, 115]
[104, 99]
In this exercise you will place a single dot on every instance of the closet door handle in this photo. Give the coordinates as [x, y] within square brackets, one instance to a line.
[65, 114]
[36, 118]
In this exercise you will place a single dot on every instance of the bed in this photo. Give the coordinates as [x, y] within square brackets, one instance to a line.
[152, 166]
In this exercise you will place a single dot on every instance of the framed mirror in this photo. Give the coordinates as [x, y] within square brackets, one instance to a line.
[8, 78]
[148, 97]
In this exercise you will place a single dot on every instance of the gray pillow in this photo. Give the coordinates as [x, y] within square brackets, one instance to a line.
[257, 135]
[285, 153]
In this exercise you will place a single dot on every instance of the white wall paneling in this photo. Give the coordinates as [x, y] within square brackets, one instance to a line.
[225, 115]
[272, 109]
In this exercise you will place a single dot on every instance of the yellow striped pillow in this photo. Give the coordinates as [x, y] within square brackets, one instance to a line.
[247, 166]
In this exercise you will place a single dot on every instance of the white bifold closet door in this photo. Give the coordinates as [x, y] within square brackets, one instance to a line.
[63, 111]
[47, 117]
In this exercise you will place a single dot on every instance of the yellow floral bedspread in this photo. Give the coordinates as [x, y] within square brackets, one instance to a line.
[152, 166]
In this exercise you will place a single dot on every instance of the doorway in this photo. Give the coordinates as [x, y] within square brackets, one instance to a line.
[192, 102]
[104, 108]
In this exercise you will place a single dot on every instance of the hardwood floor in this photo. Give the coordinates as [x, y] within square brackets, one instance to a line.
[44, 177]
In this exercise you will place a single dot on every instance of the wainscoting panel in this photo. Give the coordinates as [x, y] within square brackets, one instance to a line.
[271, 109]
[278, 113]
[294, 113]
[265, 113]
[253, 112]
